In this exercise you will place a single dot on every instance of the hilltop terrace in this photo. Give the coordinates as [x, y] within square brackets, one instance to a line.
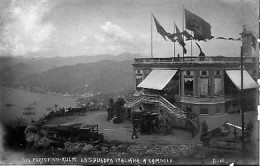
[195, 60]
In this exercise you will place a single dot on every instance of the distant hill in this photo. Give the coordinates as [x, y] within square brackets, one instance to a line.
[43, 64]
[13, 69]
[11, 73]
[105, 76]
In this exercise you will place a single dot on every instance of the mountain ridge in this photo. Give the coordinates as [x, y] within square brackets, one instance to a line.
[14, 70]
[45, 63]
[104, 76]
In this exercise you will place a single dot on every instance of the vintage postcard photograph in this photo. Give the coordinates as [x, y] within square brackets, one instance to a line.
[129, 82]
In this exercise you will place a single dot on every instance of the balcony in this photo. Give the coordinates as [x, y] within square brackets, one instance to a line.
[203, 100]
[176, 60]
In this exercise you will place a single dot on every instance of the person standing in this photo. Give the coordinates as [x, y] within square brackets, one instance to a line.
[134, 131]
[204, 127]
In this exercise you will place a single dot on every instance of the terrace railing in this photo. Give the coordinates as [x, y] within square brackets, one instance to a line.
[217, 59]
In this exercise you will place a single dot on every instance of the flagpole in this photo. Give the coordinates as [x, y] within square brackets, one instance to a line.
[191, 44]
[241, 99]
[183, 27]
[173, 39]
[151, 35]
[191, 34]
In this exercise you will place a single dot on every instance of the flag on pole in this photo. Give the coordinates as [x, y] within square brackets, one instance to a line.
[187, 35]
[200, 28]
[180, 39]
[160, 29]
[201, 52]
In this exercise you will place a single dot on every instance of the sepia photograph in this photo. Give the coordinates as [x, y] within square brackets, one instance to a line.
[129, 82]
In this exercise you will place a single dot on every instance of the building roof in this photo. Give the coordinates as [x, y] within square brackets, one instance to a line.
[235, 76]
[157, 79]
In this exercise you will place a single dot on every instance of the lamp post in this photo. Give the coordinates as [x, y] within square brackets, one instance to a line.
[241, 99]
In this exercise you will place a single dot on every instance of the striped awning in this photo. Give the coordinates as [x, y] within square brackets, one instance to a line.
[157, 79]
[248, 81]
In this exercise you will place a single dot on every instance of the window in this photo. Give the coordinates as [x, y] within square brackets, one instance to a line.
[188, 82]
[204, 73]
[217, 73]
[137, 72]
[218, 87]
[138, 77]
[217, 82]
[204, 111]
[188, 86]
[204, 86]
[146, 73]
[138, 81]
[204, 83]
[188, 73]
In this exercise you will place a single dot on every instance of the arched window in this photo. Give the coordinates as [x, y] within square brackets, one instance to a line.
[188, 82]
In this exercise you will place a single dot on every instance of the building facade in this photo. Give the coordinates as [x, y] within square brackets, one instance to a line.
[204, 86]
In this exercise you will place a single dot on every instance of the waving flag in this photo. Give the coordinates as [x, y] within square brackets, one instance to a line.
[201, 52]
[180, 39]
[200, 28]
[160, 29]
[173, 36]
[187, 35]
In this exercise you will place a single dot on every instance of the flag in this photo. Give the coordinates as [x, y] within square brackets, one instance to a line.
[201, 52]
[180, 39]
[200, 28]
[172, 36]
[160, 29]
[187, 35]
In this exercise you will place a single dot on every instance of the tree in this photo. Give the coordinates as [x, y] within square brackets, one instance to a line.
[119, 109]
[110, 108]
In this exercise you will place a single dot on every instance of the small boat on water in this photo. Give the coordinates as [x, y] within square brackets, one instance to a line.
[29, 107]
[9, 105]
[29, 113]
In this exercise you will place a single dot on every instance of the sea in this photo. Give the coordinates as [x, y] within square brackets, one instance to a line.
[14, 103]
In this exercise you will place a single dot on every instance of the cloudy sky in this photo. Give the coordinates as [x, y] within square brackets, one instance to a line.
[89, 27]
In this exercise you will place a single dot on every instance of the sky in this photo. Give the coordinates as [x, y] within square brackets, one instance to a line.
[49, 28]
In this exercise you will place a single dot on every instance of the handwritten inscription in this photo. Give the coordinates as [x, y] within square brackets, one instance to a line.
[219, 161]
[44, 160]
[96, 160]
